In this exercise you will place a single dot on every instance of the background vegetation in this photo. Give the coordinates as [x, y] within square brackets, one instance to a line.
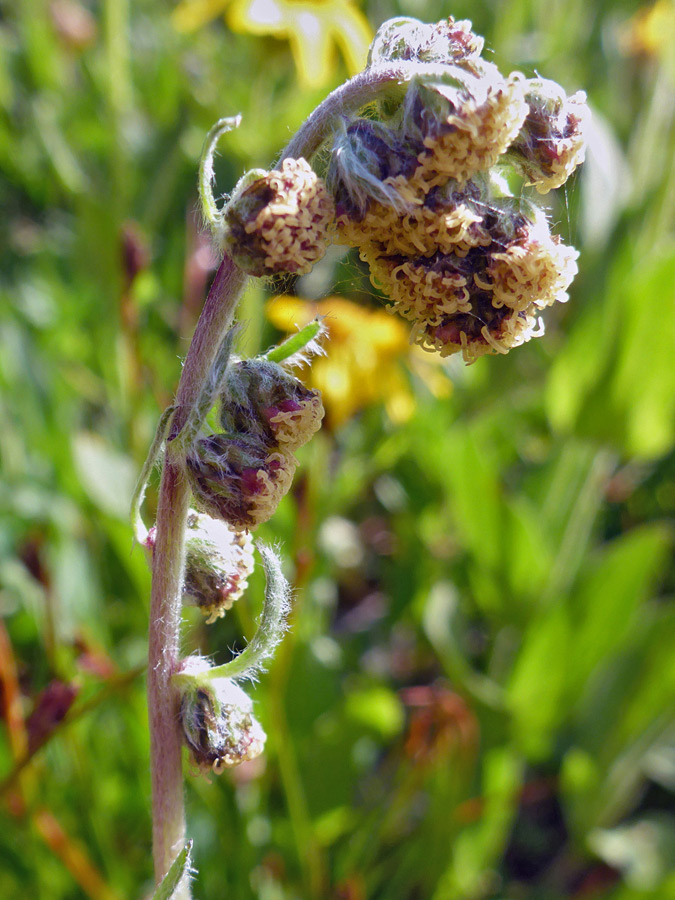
[476, 699]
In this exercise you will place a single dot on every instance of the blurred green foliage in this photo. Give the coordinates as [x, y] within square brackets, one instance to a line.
[476, 698]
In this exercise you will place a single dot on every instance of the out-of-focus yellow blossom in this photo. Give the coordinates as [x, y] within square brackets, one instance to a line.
[365, 350]
[651, 31]
[312, 27]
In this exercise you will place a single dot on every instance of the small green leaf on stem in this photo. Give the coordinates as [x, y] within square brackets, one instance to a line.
[212, 215]
[304, 341]
[177, 876]
[140, 531]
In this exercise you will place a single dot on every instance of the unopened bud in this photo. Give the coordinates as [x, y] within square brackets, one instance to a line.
[408, 39]
[218, 563]
[261, 398]
[237, 479]
[463, 128]
[219, 727]
[552, 142]
[278, 221]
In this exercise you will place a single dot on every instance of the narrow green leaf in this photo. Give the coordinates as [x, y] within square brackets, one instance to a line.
[180, 870]
[609, 596]
[538, 681]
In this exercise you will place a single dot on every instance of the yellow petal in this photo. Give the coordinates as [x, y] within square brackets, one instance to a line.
[193, 14]
[353, 34]
[310, 39]
[288, 313]
[259, 17]
[651, 30]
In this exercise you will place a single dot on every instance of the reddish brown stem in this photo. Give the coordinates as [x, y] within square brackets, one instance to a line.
[167, 578]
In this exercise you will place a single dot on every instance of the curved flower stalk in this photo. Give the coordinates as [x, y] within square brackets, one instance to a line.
[216, 714]
[417, 187]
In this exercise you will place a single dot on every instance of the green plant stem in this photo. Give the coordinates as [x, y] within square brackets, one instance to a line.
[167, 576]
[296, 343]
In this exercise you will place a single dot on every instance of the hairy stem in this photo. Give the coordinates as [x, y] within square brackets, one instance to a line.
[366, 87]
[167, 577]
[169, 551]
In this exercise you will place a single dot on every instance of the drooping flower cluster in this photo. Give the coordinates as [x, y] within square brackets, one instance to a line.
[419, 191]
[239, 475]
[278, 221]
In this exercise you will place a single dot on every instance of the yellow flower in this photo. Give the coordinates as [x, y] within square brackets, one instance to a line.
[312, 27]
[650, 31]
[365, 351]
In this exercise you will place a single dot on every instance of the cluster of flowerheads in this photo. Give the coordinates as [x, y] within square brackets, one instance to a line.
[421, 192]
[216, 714]
[417, 186]
[237, 476]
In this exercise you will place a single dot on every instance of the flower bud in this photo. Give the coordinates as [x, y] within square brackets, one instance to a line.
[219, 727]
[453, 41]
[551, 143]
[484, 299]
[408, 39]
[261, 398]
[464, 123]
[278, 221]
[238, 479]
[449, 219]
[218, 563]
[536, 268]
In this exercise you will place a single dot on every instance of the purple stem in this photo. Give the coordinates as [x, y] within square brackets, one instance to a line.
[174, 498]
[168, 814]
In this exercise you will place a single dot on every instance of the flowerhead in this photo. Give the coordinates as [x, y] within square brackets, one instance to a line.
[238, 479]
[218, 563]
[261, 397]
[217, 719]
[278, 221]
